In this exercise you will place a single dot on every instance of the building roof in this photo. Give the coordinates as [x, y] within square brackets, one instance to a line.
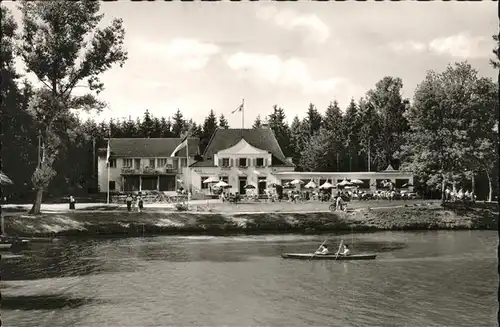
[261, 138]
[149, 147]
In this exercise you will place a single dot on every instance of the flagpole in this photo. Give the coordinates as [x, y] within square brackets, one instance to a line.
[187, 168]
[109, 155]
[243, 114]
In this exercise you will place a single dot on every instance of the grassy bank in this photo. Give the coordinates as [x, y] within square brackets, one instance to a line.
[402, 217]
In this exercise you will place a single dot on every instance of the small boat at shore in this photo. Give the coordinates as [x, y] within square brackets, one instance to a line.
[5, 246]
[12, 243]
[312, 256]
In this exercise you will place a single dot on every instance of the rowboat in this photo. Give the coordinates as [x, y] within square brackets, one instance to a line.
[5, 246]
[312, 256]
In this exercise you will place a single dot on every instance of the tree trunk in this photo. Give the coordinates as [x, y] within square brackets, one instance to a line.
[36, 208]
[490, 193]
[473, 180]
[443, 188]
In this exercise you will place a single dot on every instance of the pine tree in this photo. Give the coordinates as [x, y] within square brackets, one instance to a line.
[223, 122]
[257, 123]
[178, 124]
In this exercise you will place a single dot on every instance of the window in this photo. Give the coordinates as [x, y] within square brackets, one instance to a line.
[162, 162]
[112, 163]
[400, 182]
[127, 163]
[260, 162]
[137, 163]
[204, 186]
[225, 179]
[225, 162]
[112, 185]
[152, 163]
[242, 162]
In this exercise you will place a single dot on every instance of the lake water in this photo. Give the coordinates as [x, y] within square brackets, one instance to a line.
[443, 278]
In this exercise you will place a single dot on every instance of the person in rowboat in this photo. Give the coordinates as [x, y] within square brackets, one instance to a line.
[344, 250]
[323, 249]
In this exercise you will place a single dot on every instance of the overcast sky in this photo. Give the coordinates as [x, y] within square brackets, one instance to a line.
[201, 56]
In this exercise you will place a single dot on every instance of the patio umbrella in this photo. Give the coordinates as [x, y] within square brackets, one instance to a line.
[311, 184]
[210, 180]
[288, 185]
[4, 179]
[407, 185]
[326, 185]
[296, 181]
[348, 187]
[356, 181]
[262, 181]
[221, 184]
[249, 187]
[344, 183]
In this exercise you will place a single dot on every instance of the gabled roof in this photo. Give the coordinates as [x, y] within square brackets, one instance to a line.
[149, 147]
[261, 138]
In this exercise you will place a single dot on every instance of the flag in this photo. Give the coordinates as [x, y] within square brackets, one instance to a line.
[108, 153]
[180, 146]
[240, 108]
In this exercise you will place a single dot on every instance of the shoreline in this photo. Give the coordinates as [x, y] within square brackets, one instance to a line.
[399, 217]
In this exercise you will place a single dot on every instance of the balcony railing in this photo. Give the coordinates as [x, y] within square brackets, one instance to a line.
[149, 171]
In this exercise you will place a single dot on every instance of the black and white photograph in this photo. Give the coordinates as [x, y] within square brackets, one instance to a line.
[249, 163]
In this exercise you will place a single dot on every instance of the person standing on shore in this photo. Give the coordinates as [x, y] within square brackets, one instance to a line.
[140, 203]
[72, 202]
[129, 202]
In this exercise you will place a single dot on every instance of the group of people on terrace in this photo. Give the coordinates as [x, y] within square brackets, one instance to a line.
[451, 195]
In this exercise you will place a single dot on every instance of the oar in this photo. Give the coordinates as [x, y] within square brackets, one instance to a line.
[337, 255]
[317, 250]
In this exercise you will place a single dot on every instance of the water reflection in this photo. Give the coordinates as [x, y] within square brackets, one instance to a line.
[419, 279]
[42, 302]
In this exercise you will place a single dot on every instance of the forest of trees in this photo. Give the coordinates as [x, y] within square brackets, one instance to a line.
[447, 133]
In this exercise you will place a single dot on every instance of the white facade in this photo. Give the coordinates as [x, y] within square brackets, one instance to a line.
[238, 165]
[167, 172]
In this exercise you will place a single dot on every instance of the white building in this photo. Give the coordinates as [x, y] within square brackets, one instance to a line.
[240, 157]
[138, 164]
[236, 156]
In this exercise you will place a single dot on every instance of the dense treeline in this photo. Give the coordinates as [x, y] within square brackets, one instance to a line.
[447, 134]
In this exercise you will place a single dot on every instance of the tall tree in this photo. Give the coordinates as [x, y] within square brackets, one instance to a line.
[130, 128]
[223, 122]
[53, 39]
[313, 119]
[350, 134]
[146, 125]
[156, 128]
[208, 129]
[299, 138]
[178, 124]
[448, 119]
[277, 122]
[18, 136]
[333, 122]
[369, 135]
[257, 123]
[166, 127]
[318, 148]
[388, 101]
[495, 62]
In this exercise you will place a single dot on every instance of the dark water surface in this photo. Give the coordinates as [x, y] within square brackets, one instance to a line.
[441, 278]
